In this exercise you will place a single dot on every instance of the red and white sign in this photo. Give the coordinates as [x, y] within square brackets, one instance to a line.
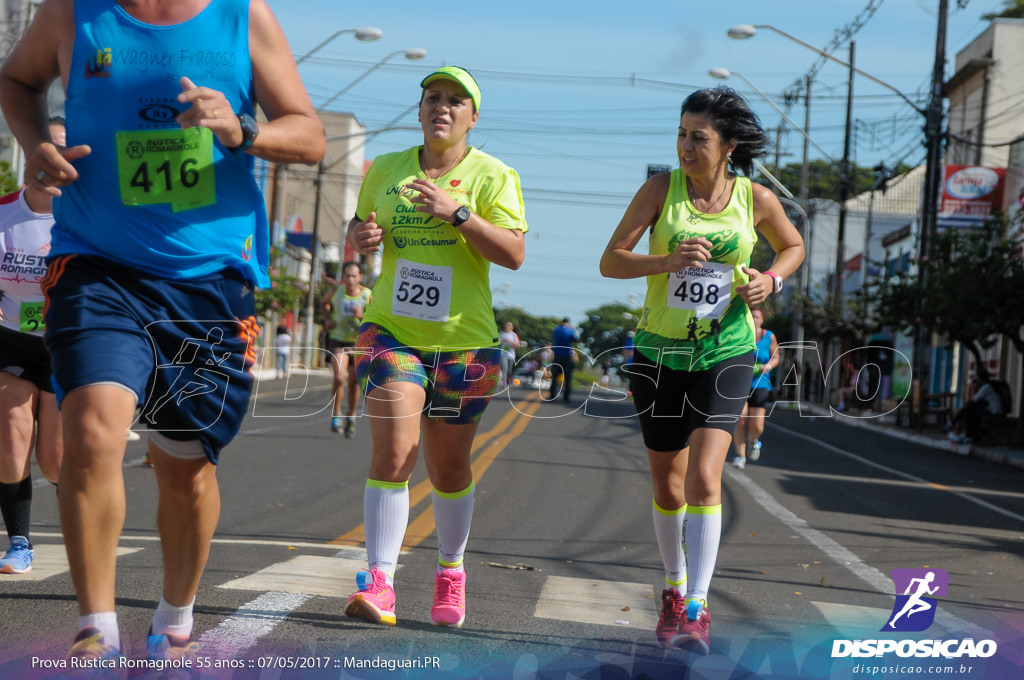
[971, 194]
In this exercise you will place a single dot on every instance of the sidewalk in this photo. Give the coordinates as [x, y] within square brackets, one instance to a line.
[936, 439]
[270, 373]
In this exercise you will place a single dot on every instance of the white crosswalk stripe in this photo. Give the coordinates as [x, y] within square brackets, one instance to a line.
[609, 603]
[51, 560]
[325, 576]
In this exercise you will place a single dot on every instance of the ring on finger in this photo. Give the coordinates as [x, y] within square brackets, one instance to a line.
[215, 113]
[40, 175]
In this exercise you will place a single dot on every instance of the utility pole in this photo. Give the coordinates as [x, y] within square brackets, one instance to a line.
[778, 146]
[929, 212]
[804, 276]
[845, 181]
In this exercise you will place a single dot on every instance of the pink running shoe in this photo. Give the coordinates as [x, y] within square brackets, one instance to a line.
[449, 598]
[693, 633]
[672, 612]
[374, 601]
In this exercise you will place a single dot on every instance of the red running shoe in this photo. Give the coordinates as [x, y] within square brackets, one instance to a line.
[693, 633]
[672, 613]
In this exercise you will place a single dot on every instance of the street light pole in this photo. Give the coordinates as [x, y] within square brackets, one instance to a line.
[742, 31]
[367, 34]
[934, 116]
[414, 53]
[314, 245]
[803, 274]
[724, 73]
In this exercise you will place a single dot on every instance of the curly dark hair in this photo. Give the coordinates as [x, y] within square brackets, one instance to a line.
[732, 117]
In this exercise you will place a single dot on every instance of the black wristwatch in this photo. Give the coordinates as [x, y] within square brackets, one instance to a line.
[461, 215]
[249, 131]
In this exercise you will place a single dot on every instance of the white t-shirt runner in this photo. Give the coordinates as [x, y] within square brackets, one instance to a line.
[24, 245]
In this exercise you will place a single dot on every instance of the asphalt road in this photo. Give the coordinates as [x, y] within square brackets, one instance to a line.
[564, 574]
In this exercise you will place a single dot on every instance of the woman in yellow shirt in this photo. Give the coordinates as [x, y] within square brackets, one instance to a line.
[694, 351]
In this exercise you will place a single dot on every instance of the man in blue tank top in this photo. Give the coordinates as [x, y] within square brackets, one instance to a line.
[160, 237]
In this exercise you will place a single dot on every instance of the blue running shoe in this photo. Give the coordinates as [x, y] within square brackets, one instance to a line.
[172, 651]
[93, 659]
[335, 423]
[18, 558]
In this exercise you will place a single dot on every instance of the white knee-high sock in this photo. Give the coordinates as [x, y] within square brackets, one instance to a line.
[386, 517]
[702, 532]
[668, 529]
[453, 515]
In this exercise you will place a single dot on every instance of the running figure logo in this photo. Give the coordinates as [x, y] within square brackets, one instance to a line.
[201, 371]
[914, 611]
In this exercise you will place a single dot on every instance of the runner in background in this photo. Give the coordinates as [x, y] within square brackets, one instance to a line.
[510, 342]
[30, 419]
[751, 424]
[342, 308]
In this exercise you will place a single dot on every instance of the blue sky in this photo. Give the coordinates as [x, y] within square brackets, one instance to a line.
[580, 97]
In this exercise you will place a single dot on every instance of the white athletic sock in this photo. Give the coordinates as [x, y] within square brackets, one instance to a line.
[172, 620]
[453, 515]
[668, 528]
[385, 517]
[702, 533]
[106, 623]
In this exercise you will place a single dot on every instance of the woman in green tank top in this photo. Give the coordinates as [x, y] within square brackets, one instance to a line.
[702, 220]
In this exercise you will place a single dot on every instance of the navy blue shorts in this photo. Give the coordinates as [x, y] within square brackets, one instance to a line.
[185, 348]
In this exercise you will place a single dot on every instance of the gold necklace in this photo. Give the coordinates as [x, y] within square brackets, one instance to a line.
[446, 170]
[696, 215]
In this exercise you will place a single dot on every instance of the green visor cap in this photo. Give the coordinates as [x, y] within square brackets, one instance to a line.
[459, 75]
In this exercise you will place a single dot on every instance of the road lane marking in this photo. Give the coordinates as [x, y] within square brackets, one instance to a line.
[421, 527]
[878, 466]
[420, 491]
[304, 575]
[151, 538]
[607, 603]
[836, 552]
[253, 620]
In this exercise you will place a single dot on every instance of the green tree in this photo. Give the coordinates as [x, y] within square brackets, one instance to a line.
[286, 292]
[972, 291]
[824, 178]
[8, 182]
[606, 327]
[1012, 9]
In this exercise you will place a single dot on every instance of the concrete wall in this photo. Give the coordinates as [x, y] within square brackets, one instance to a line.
[984, 93]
